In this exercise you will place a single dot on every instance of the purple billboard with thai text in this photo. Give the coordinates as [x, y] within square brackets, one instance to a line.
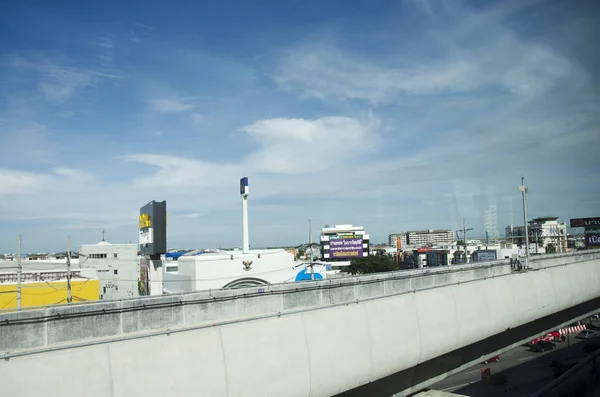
[592, 239]
[346, 248]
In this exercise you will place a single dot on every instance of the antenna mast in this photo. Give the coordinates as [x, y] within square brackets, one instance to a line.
[524, 190]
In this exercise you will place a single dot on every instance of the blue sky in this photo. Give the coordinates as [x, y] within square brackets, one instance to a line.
[395, 115]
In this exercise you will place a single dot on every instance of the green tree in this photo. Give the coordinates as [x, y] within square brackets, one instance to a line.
[372, 264]
[550, 249]
[460, 243]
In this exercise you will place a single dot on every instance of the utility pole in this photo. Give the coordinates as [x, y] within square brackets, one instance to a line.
[19, 271]
[537, 235]
[465, 230]
[312, 270]
[69, 269]
[524, 190]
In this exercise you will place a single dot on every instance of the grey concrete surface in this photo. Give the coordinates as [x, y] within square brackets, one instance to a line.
[76, 322]
[317, 344]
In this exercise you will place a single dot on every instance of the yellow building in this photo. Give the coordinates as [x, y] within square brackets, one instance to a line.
[41, 293]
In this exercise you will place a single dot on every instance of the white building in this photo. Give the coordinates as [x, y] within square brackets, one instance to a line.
[423, 238]
[542, 232]
[547, 231]
[398, 240]
[198, 270]
[117, 266]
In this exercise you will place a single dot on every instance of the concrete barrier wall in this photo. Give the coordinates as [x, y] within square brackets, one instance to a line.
[65, 324]
[315, 352]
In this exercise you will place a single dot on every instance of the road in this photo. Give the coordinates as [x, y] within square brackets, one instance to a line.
[526, 371]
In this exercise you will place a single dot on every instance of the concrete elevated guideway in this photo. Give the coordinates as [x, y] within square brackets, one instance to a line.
[311, 339]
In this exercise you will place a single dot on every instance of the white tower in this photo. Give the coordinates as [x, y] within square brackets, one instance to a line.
[244, 194]
[490, 221]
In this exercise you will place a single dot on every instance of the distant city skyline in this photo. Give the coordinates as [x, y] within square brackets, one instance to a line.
[392, 115]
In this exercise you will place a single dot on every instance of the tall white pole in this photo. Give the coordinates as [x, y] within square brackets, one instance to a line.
[19, 271]
[245, 235]
[523, 190]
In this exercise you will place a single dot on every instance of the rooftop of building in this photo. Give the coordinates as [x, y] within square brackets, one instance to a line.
[544, 219]
[203, 255]
[430, 231]
[341, 228]
[106, 243]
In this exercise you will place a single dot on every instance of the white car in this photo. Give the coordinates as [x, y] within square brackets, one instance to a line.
[587, 334]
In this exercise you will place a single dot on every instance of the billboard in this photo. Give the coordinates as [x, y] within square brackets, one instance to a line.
[591, 229]
[153, 228]
[592, 239]
[346, 247]
[244, 188]
[585, 222]
[485, 255]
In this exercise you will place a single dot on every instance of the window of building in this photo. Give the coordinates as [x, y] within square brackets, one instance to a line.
[115, 271]
[114, 255]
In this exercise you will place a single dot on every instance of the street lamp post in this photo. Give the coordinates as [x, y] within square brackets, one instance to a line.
[524, 190]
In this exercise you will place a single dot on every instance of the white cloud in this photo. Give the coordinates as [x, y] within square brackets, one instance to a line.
[21, 182]
[58, 82]
[182, 173]
[469, 61]
[170, 105]
[285, 147]
[198, 118]
[16, 182]
[297, 146]
[107, 43]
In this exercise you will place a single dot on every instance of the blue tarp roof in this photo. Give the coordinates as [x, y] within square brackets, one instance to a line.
[174, 255]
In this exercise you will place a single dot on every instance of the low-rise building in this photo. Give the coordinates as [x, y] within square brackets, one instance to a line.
[431, 237]
[118, 268]
[44, 283]
[543, 232]
[398, 240]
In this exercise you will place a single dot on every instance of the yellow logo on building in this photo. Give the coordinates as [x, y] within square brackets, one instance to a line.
[145, 221]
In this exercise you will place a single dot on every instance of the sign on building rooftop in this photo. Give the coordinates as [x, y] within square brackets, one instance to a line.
[591, 230]
[153, 228]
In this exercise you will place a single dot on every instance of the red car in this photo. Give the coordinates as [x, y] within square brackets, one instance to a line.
[553, 336]
[492, 359]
